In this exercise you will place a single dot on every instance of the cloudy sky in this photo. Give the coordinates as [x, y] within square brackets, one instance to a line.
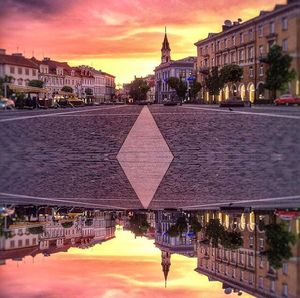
[120, 268]
[120, 37]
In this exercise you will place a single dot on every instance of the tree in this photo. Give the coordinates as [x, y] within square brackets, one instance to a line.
[138, 89]
[278, 240]
[67, 224]
[67, 89]
[214, 82]
[4, 80]
[214, 232]
[138, 224]
[195, 224]
[195, 88]
[36, 83]
[231, 240]
[231, 73]
[279, 73]
[179, 85]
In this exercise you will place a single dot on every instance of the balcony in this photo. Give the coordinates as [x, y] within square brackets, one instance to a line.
[204, 70]
[272, 36]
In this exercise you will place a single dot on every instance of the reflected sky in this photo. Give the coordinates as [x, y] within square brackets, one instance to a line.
[122, 267]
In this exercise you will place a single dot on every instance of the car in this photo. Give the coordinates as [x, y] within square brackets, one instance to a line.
[287, 99]
[6, 103]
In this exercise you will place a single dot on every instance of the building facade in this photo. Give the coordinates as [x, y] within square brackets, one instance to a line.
[21, 69]
[182, 69]
[246, 269]
[245, 44]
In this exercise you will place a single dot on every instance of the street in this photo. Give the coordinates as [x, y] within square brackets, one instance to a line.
[248, 156]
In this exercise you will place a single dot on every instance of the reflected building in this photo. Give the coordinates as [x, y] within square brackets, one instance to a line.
[182, 244]
[247, 269]
[50, 233]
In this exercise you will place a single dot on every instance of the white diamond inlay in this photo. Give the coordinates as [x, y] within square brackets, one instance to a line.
[145, 157]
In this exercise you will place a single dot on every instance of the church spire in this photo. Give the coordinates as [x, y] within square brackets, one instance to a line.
[165, 50]
[165, 264]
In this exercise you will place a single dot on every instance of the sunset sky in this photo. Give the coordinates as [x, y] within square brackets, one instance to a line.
[120, 37]
[122, 267]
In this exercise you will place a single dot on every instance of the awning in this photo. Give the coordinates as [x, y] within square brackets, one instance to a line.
[64, 93]
[27, 89]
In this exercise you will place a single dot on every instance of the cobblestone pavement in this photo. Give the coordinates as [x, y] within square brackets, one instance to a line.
[242, 157]
[223, 157]
[68, 156]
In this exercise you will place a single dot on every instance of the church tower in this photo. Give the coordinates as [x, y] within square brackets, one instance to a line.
[165, 264]
[165, 50]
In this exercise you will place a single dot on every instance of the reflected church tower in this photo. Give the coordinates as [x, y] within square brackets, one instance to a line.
[165, 50]
[165, 264]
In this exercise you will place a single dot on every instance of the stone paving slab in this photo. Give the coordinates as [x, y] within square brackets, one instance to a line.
[221, 157]
[67, 157]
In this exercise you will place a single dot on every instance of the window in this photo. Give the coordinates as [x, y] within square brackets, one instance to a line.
[260, 30]
[251, 54]
[285, 291]
[241, 37]
[206, 50]
[225, 43]
[33, 241]
[250, 34]
[272, 27]
[233, 40]
[272, 286]
[261, 282]
[212, 47]
[27, 242]
[212, 62]
[226, 270]
[20, 243]
[233, 272]
[251, 278]
[242, 258]
[218, 45]
[251, 261]
[241, 56]
[225, 59]
[251, 71]
[12, 69]
[285, 268]
[12, 243]
[284, 23]
[261, 243]
[285, 44]
[261, 262]
[20, 70]
[34, 72]
[261, 50]
[233, 57]
[27, 71]
[242, 277]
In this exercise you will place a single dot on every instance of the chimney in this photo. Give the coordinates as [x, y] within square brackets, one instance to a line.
[17, 54]
[46, 59]
[2, 52]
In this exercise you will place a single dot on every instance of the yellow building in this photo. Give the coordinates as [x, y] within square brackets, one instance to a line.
[245, 43]
[245, 269]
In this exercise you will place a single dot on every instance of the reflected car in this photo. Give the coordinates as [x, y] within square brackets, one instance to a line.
[287, 99]
[6, 103]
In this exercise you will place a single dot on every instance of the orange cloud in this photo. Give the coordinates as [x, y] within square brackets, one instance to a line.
[115, 34]
[122, 267]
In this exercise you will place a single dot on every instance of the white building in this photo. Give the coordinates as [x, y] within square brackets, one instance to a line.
[21, 69]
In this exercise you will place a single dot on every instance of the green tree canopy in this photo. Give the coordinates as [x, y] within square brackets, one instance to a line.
[138, 89]
[279, 73]
[231, 73]
[138, 224]
[36, 83]
[214, 82]
[67, 89]
[4, 80]
[36, 230]
[67, 224]
[278, 240]
[179, 85]
[195, 88]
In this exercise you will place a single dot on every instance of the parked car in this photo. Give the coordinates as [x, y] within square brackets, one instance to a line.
[287, 99]
[6, 103]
